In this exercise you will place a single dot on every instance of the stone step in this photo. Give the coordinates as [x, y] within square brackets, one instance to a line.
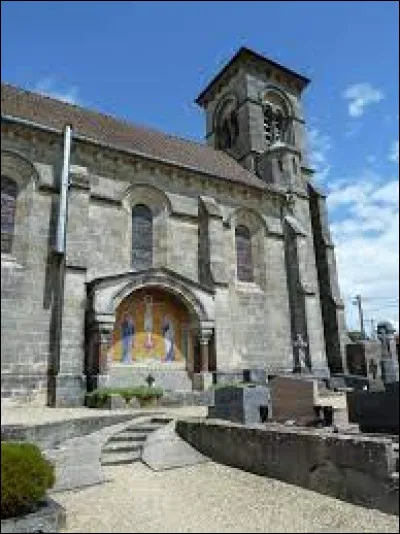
[128, 435]
[122, 446]
[120, 458]
[161, 420]
[145, 427]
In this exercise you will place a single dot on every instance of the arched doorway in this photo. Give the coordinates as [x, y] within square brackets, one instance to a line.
[141, 323]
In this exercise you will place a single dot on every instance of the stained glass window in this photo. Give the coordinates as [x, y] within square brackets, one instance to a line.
[142, 237]
[244, 260]
[9, 191]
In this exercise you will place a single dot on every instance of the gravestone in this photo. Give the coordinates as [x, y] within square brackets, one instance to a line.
[241, 404]
[293, 398]
[389, 361]
[375, 411]
[364, 362]
[356, 358]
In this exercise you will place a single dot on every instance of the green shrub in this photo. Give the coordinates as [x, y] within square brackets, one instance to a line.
[98, 397]
[25, 477]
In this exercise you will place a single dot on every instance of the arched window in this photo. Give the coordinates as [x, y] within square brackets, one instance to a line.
[9, 191]
[226, 125]
[276, 121]
[142, 237]
[274, 125]
[244, 260]
[268, 125]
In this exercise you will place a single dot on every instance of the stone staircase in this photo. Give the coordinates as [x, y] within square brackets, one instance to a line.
[126, 446]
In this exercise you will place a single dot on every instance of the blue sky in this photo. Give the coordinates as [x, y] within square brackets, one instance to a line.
[147, 61]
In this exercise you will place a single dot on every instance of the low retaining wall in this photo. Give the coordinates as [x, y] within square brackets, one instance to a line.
[51, 517]
[354, 469]
[49, 435]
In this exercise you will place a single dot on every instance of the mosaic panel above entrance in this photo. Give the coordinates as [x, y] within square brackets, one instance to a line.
[151, 327]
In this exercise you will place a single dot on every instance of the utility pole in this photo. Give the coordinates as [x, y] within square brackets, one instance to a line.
[357, 301]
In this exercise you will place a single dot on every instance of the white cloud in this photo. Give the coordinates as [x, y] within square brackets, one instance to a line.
[359, 96]
[319, 147]
[365, 214]
[48, 87]
[394, 152]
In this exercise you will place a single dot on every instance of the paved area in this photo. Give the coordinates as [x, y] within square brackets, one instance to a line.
[210, 498]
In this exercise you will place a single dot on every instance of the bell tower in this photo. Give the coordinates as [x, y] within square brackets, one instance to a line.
[253, 113]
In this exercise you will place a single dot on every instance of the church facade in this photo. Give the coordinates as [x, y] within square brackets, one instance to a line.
[183, 260]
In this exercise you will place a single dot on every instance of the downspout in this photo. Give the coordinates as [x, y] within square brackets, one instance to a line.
[59, 252]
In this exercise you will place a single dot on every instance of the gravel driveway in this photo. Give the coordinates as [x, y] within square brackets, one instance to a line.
[210, 498]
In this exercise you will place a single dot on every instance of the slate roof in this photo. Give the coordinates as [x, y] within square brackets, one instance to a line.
[121, 135]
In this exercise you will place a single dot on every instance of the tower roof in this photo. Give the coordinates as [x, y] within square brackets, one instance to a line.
[243, 54]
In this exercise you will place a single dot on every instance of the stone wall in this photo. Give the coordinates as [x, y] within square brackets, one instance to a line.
[355, 469]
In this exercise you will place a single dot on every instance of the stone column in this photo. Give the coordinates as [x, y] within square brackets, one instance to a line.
[204, 352]
[103, 353]
[203, 380]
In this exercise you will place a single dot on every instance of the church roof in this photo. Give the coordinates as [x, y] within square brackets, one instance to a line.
[121, 135]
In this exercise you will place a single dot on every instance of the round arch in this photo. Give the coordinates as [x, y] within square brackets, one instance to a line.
[195, 307]
[277, 96]
[250, 218]
[18, 168]
[149, 195]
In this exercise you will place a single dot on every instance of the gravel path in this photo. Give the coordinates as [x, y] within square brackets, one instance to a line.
[210, 498]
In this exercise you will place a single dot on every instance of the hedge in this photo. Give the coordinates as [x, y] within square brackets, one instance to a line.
[99, 396]
[25, 477]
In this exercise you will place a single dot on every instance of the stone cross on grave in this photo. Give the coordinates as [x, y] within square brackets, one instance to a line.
[301, 362]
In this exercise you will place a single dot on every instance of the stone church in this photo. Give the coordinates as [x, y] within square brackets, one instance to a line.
[187, 261]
